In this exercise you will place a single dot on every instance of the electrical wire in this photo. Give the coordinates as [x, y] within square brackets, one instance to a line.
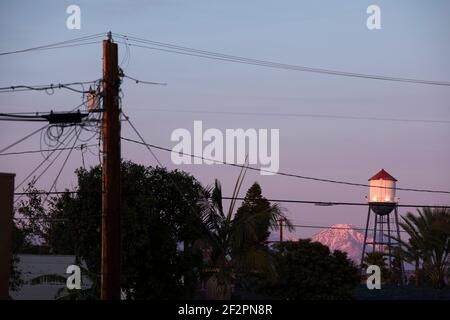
[47, 87]
[40, 165]
[33, 133]
[43, 117]
[77, 135]
[59, 143]
[124, 63]
[332, 227]
[292, 225]
[22, 139]
[82, 156]
[334, 203]
[171, 180]
[23, 120]
[300, 115]
[144, 82]
[284, 226]
[283, 173]
[72, 45]
[78, 147]
[56, 45]
[294, 201]
[172, 48]
[142, 139]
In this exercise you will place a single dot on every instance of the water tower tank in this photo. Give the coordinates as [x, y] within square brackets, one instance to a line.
[382, 193]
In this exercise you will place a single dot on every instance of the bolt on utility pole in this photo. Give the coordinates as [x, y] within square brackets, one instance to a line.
[110, 254]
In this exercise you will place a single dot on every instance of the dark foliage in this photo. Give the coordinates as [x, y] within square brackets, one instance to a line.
[308, 270]
[156, 219]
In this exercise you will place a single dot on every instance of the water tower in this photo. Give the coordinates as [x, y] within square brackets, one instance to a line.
[383, 206]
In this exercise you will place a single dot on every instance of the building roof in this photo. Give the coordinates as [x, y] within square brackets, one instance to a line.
[383, 175]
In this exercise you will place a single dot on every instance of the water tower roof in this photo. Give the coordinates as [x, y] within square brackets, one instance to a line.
[383, 175]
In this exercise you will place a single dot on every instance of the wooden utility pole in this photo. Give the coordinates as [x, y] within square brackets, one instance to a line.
[110, 261]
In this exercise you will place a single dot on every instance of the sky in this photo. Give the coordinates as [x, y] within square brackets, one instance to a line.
[412, 43]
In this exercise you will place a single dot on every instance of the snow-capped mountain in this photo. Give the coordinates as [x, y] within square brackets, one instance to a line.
[342, 237]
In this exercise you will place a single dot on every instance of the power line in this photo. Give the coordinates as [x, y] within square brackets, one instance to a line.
[172, 48]
[331, 227]
[52, 151]
[34, 113]
[27, 112]
[142, 140]
[295, 201]
[301, 115]
[144, 82]
[40, 164]
[33, 132]
[334, 203]
[22, 120]
[56, 45]
[284, 226]
[30, 135]
[65, 118]
[327, 227]
[79, 44]
[47, 87]
[77, 135]
[284, 173]
[22, 139]
[72, 45]
[80, 146]
[170, 178]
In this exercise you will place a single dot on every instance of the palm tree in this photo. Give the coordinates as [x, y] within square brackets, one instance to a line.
[225, 242]
[428, 243]
[411, 253]
[377, 258]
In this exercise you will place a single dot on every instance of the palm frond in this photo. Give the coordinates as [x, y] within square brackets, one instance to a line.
[237, 188]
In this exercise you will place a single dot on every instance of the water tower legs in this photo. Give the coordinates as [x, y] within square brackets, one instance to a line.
[384, 242]
[365, 241]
